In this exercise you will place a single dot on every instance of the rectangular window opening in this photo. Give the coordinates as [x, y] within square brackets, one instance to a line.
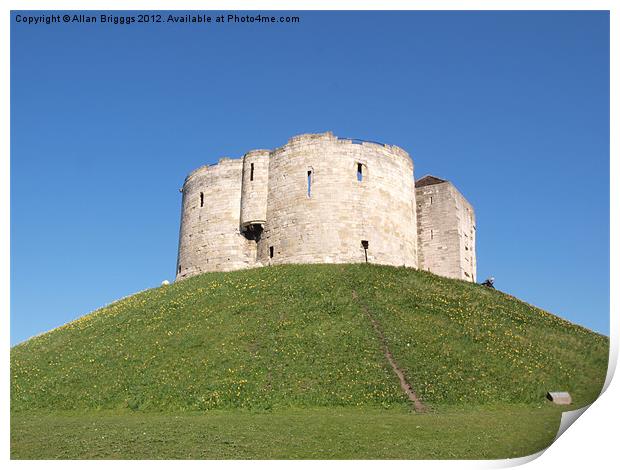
[179, 268]
[431, 199]
[202, 199]
[251, 171]
[271, 251]
[431, 234]
[309, 183]
[360, 173]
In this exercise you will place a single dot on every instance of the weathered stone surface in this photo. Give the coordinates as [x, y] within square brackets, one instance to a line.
[321, 199]
[446, 230]
[254, 187]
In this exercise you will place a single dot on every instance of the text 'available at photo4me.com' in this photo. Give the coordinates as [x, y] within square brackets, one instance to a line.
[54, 18]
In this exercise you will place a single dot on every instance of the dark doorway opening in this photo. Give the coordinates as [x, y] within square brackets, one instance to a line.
[253, 231]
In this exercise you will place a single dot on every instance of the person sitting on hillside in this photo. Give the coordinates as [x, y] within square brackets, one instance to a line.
[489, 282]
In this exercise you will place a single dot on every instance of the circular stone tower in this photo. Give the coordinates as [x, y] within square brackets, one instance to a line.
[333, 200]
[209, 238]
[317, 199]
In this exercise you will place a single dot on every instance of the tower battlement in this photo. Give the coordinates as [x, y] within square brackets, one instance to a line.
[323, 199]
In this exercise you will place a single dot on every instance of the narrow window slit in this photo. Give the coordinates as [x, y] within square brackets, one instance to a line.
[309, 183]
[202, 199]
[251, 171]
[271, 251]
[360, 174]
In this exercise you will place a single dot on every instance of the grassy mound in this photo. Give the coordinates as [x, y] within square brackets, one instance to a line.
[297, 336]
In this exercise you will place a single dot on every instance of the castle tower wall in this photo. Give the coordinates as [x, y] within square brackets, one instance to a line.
[446, 230]
[319, 212]
[210, 239]
[254, 188]
[467, 236]
[324, 199]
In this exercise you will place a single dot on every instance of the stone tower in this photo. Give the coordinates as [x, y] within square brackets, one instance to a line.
[446, 230]
[317, 199]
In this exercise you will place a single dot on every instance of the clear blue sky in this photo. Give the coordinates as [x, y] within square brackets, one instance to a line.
[107, 120]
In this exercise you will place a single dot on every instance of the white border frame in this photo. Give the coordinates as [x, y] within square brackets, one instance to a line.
[592, 442]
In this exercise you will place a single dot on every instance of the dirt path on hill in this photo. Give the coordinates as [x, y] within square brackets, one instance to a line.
[404, 384]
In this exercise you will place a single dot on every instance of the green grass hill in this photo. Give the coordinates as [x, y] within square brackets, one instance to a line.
[299, 336]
